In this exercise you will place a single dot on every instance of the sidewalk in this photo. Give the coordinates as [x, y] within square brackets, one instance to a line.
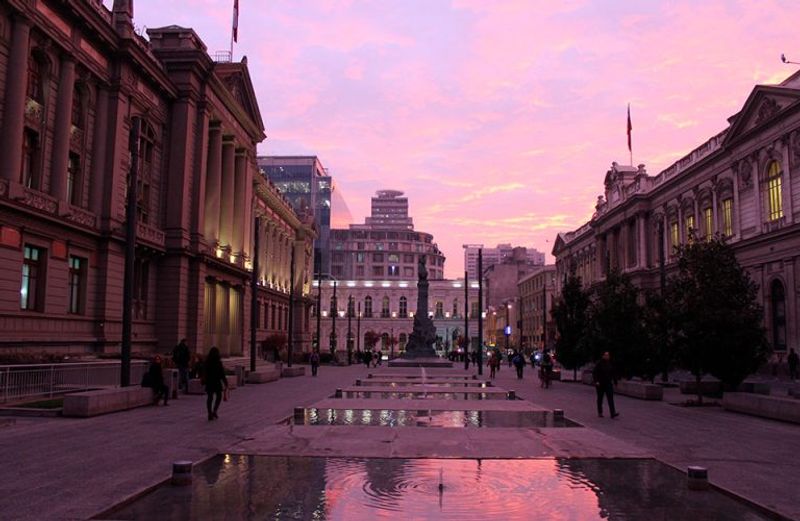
[60, 468]
[756, 458]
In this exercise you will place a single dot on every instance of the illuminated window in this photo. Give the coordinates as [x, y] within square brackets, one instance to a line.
[403, 307]
[77, 285]
[31, 290]
[774, 191]
[708, 221]
[727, 217]
[368, 307]
[674, 234]
[689, 224]
[385, 307]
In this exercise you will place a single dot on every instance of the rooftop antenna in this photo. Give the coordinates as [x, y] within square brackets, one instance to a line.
[785, 60]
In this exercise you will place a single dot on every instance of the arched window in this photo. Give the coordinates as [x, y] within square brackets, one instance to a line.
[455, 308]
[385, 307]
[774, 191]
[351, 304]
[402, 341]
[368, 307]
[778, 301]
[439, 309]
[403, 307]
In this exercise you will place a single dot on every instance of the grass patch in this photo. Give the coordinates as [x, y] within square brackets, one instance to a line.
[55, 403]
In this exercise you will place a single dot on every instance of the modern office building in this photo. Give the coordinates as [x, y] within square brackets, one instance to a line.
[386, 246]
[743, 183]
[85, 100]
[496, 255]
[306, 184]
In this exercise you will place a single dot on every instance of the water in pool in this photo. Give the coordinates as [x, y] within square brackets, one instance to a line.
[428, 418]
[253, 488]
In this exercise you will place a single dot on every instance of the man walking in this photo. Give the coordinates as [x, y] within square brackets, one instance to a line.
[519, 364]
[314, 362]
[181, 357]
[604, 379]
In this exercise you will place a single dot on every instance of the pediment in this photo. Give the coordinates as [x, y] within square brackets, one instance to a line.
[236, 79]
[764, 104]
[559, 244]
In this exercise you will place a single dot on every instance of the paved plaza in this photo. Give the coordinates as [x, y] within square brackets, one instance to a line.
[61, 468]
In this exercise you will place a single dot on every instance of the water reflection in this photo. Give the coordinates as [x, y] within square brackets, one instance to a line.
[429, 418]
[260, 488]
[426, 395]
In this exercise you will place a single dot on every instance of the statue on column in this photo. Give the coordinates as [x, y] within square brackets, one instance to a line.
[422, 338]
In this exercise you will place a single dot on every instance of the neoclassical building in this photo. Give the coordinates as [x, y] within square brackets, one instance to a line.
[85, 99]
[743, 183]
[387, 308]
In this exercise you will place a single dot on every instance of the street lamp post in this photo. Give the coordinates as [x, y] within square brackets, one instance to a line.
[319, 305]
[334, 312]
[391, 343]
[507, 332]
[358, 328]
[349, 330]
[466, 320]
[480, 311]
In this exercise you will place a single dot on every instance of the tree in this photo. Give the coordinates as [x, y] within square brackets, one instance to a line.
[370, 339]
[659, 335]
[713, 301]
[274, 343]
[615, 324]
[569, 312]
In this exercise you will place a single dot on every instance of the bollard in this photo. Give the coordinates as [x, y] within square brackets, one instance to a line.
[299, 415]
[358, 382]
[558, 414]
[338, 393]
[512, 395]
[697, 478]
[181, 473]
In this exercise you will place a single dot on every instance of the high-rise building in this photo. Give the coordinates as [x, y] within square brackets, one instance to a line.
[386, 246]
[307, 185]
[496, 255]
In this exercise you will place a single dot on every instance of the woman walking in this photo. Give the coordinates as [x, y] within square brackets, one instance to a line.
[214, 380]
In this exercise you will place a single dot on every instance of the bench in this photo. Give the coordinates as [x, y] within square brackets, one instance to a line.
[263, 374]
[289, 372]
[641, 390]
[101, 401]
[774, 407]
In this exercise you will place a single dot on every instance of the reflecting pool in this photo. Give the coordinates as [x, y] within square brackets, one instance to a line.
[429, 418]
[260, 488]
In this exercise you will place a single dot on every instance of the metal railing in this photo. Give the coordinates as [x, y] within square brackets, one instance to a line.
[20, 382]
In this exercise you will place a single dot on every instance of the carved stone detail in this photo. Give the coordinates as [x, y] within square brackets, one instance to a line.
[768, 108]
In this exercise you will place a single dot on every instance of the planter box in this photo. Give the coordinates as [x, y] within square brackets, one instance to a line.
[102, 401]
[774, 407]
[754, 387]
[289, 372]
[794, 391]
[707, 387]
[641, 390]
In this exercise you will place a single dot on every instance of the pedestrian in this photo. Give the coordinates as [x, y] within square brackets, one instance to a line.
[495, 363]
[519, 364]
[214, 379]
[604, 379]
[181, 356]
[154, 378]
[314, 359]
[510, 356]
[545, 373]
[794, 361]
[367, 357]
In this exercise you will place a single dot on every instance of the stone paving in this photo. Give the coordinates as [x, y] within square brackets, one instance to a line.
[60, 468]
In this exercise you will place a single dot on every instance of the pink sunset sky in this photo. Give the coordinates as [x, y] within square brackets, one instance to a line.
[498, 118]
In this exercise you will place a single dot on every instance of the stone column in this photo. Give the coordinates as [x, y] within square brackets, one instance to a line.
[240, 202]
[62, 130]
[681, 225]
[642, 222]
[786, 193]
[736, 224]
[755, 176]
[714, 210]
[99, 143]
[14, 109]
[228, 199]
[213, 184]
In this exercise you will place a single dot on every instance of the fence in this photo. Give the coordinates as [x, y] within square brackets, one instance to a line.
[20, 382]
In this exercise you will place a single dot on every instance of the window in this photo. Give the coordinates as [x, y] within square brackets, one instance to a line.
[474, 310]
[146, 154]
[385, 307]
[394, 271]
[708, 222]
[393, 257]
[674, 234]
[77, 107]
[778, 300]
[727, 217]
[368, 307]
[689, 226]
[774, 191]
[73, 179]
[379, 246]
[377, 257]
[377, 271]
[359, 271]
[361, 246]
[338, 257]
[360, 257]
[455, 308]
[30, 159]
[31, 290]
[439, 309]
[408, 259]
[408, 272]
[351, 305]
[77, 285]
[35, 90]
[141, 279]
[403, 307]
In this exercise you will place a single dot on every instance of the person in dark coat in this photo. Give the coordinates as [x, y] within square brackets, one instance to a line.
[367, 357]
[214, 379]
[181, 356]
[519, 364]
[154, 378]
[314, 359]
[605, 378]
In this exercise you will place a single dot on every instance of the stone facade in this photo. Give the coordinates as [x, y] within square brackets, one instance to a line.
[388, 307]
[76, 79]
[536, 327]
[743, 183]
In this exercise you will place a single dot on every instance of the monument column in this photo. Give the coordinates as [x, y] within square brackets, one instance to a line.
[14, 109]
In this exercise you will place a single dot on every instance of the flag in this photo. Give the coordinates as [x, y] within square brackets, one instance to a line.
[235, 20]
[630, 127]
